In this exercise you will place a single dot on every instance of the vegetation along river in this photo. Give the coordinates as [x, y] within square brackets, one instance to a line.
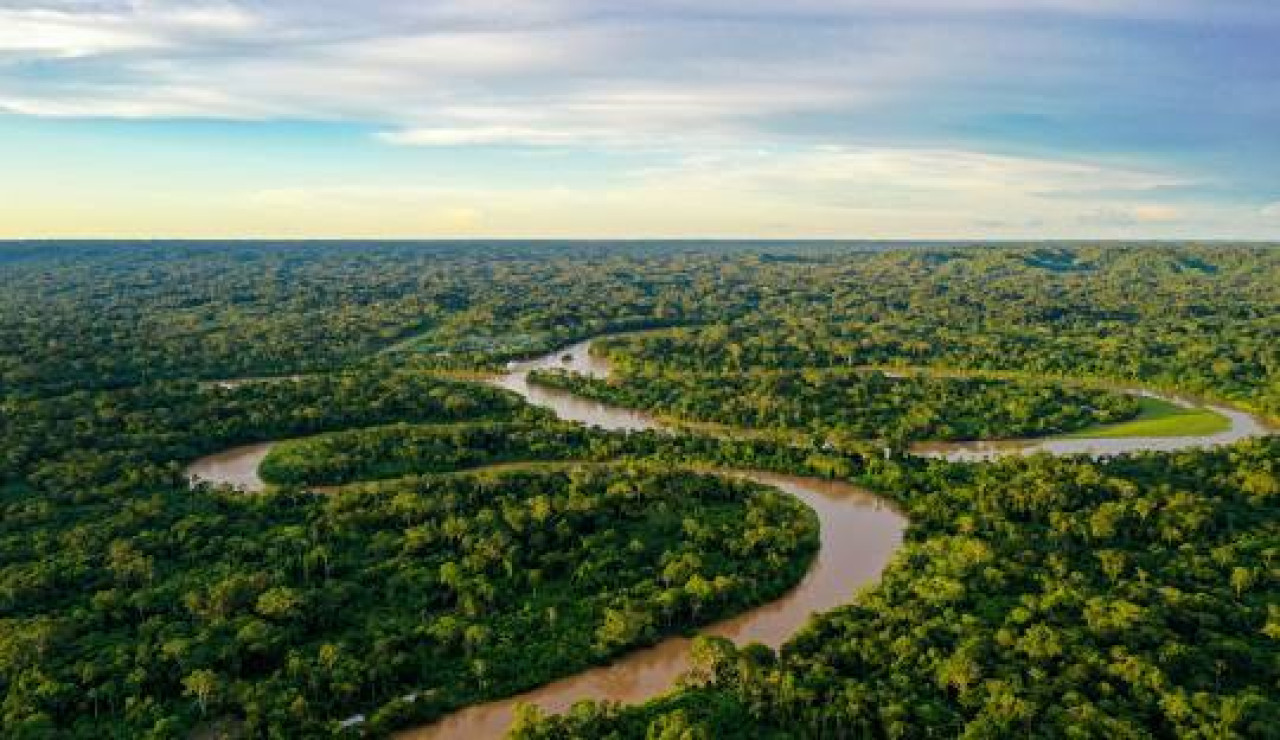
[859, 533]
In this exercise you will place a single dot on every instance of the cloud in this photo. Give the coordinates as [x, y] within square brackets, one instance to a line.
[858, 177]
[819, 191]
[668, 115]
[63, 33]
[1250, 10]
[588, 73]
[168, 100]
[59, 34]
[479, 134]
[822, 117]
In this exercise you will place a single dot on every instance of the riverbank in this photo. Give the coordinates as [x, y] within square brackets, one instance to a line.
[858, 534]
[1160, 418]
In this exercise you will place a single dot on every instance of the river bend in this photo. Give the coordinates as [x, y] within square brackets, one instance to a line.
[859, 533]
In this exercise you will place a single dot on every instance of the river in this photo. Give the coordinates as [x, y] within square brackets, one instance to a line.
[859, 534]
[1241, 425]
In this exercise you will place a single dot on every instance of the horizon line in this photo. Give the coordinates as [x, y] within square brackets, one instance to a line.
[636, 240]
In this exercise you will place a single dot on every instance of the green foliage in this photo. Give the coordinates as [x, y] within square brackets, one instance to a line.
[1035, 597]
[1046, 597]
[1197, 318]
[402, 449]
[1158, 418]
[87, 442]
[1133, 315]
[291, 612]
[844, 405]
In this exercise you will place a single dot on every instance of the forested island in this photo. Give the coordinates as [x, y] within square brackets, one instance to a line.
[468, 545]
[854, 405]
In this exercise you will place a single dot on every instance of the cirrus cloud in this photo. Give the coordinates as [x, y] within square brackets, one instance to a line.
[815, 115]
[589, 72]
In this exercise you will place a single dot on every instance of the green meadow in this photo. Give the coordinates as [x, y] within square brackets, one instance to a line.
[1159, 418]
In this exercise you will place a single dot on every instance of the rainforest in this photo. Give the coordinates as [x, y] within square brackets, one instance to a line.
[639, 490]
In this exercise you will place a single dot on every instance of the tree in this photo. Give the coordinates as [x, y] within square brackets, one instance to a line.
[204, 685]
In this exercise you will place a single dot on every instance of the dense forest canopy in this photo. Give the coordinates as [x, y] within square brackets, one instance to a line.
[1054, 597]
[844, 405]
[1199, 318]
[1041, 597]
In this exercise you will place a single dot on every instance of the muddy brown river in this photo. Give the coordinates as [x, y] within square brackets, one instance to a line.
[859, 533]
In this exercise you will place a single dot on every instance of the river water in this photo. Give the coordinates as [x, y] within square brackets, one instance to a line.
[1241, 426]
[237, 467]
[859, 534]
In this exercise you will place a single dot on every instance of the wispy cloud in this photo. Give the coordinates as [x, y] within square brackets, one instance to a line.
[733, 116]
[705, 113]
[63, 31]
[825, 191]
[605, 73]
[815, 192]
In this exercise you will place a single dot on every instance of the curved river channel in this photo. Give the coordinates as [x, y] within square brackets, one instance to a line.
[859, 533]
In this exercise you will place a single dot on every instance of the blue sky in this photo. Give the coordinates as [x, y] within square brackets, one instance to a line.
[578, 118]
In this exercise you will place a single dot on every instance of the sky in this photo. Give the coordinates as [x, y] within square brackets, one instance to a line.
[871, 119]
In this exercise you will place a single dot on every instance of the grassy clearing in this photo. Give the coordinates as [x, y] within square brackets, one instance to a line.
[1157, 418]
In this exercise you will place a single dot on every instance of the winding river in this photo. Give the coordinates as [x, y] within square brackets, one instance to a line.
[1241, 425]
[859, 533]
